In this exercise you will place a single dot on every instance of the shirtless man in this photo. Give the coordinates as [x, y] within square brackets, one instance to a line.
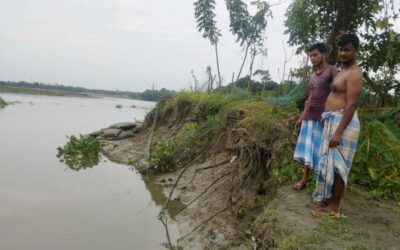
[341, 129]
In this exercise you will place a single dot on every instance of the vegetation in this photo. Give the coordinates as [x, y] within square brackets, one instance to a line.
[80, 153]
[377, 163]
[309, 20]
[249, 30]
[205, 18]
[2, 103]
[249, 127]
[169, 152]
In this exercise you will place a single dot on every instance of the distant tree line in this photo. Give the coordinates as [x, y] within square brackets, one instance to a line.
[147, 95]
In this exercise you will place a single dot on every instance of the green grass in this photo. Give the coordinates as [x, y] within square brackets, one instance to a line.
[2, 103]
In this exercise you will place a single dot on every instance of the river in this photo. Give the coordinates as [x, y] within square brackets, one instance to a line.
[46, 205]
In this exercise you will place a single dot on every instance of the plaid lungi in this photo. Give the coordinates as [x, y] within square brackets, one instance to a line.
[336, 159]
[308, 143]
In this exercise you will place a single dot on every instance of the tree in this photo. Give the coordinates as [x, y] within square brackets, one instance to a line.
[249, 30]
[211, 78]
[309, 21]
[205, 18]
[266, 80]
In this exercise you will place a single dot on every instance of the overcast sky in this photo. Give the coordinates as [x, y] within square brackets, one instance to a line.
[122, 44]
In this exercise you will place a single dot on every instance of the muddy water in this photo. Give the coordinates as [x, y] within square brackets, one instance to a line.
[44, 204]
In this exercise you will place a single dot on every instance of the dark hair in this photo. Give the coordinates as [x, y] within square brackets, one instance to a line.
[349, 38]
[319, 46]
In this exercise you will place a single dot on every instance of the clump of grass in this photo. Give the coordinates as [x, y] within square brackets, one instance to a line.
[78, 153]
[202, 104]
[2, 103]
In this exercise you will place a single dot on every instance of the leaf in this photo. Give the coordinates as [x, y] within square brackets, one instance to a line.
[372, 174]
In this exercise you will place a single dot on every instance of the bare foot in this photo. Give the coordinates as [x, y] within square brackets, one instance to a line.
[300, 185]
[325, 212]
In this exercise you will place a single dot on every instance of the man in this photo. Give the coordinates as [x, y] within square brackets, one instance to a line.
[307, 146]
[341, 129]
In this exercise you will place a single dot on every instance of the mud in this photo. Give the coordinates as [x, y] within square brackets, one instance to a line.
[205, 218]
[199, 212]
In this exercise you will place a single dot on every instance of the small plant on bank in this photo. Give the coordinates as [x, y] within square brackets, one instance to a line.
[2, 103]
[169, 152]
[82, 152]
[161, 159]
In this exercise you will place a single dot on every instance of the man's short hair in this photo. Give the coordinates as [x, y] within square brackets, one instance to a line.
[349, 38]
[319, 46]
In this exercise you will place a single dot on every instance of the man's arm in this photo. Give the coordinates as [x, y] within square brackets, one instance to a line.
[353, 90]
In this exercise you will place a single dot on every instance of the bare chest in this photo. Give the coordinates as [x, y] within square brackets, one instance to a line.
[339, 83]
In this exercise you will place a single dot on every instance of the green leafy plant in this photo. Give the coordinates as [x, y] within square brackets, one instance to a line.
[169, 152]
[377, 162]
[161, 159]
[78, 153]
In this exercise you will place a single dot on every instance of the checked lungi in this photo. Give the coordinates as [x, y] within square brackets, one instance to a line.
[308, 143]
[335, 159]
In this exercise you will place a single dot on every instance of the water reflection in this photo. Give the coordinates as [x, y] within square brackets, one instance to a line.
[80, 153]
[157, 188]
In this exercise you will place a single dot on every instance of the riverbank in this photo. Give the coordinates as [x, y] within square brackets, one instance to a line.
[227, 158]
[280, 220]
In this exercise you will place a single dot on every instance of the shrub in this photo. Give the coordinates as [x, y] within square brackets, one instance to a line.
[169, 152]
[377, 161]
[82, 152]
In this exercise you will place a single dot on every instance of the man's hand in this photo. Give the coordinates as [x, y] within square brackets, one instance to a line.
[334, 142]
[297, 126]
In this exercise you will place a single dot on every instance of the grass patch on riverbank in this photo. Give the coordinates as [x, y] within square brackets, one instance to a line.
[2, 103]
[234, 122]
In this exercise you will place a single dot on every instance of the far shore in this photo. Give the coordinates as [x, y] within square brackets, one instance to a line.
[38, 91]
[33, 91]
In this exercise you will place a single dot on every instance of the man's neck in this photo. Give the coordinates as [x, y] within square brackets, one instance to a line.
[319, 68]
[348, 64]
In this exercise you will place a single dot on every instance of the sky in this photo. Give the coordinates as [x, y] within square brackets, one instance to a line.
[125, 44]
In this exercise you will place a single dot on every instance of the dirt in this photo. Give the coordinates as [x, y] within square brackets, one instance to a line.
[286, 223]
[205, 218]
